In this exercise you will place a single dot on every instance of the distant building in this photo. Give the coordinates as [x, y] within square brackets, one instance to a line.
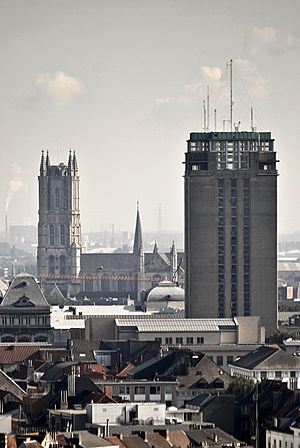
[59, 227]
[24, 312]
[60, 261]
[231, 226]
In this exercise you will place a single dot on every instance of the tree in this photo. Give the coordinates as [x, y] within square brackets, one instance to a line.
[240, 386]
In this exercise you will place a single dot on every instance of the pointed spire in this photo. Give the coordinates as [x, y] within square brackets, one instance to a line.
[47, 161]
[173, 248]
[155, 248]
[42, 165]
[138, 240]
[70, 165]
[75, 165]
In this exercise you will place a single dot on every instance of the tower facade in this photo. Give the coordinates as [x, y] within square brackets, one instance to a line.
[59, 228]
[231, 226]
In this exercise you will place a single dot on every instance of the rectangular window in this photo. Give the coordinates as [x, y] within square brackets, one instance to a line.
[229, 359]
[189, 340]
[277, 374]
[179, 340]
[220, 360]
[169, 340]
[139, 390]
[200, 340]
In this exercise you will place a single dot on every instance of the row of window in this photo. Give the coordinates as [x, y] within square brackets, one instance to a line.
[179, 340]
[24, 320]
[246, 191]
[141, 390]
[234, 231]
[238, 146]
[221, 249]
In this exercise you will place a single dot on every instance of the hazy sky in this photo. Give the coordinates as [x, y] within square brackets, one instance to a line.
[122, 82]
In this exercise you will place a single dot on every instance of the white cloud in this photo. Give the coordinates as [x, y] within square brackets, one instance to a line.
[164, 100]
[257, 86]
[60, 88]
[268, 39]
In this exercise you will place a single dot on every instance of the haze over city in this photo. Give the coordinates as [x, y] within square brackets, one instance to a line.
[123, 83]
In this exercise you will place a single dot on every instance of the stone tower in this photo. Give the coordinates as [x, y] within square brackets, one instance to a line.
[59, 228]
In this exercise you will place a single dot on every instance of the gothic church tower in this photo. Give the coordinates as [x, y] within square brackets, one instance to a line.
[59, 228]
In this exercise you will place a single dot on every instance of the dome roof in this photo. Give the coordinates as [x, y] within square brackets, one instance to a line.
[165, 291]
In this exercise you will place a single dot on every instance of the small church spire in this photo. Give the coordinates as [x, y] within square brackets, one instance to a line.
[155, 248]
[42, 165]
[75, 165]
[138, 240]
[70, 165]
[47, 161]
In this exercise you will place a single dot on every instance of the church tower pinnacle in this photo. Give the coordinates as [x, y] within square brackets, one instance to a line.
[138, 240]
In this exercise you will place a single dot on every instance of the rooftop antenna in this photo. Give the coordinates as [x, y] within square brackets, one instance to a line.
[253, 129]
[215, 119]
[204, 116]
[231, 100]
[207, 111]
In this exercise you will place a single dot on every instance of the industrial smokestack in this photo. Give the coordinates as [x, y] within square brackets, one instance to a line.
[6, 229]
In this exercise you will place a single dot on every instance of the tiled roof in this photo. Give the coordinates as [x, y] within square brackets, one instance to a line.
[176, 325]
[211, 435]
[88, 440]
[98, 368]
[127, 369]
[14, 353]
[179, 438]
[115, 441]
[8, 385]
[134, 442]
[84, 350]
[155, 440]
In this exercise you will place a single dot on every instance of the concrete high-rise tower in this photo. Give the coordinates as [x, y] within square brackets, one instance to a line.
[231, 226]
[59, 228]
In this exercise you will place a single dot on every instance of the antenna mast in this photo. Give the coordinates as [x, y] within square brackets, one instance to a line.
[215, 119]
[204, 116]
[207, 112]
[231, 100]
[252, 121]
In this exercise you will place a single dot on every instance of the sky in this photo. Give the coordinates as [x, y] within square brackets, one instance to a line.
[122, 82]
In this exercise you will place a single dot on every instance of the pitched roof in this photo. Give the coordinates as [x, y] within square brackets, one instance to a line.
[213, 436]
[179, 438]
[11, 353]
[268, 358]
[134, 442]
[8, 385]
[24, 291]
[106, 263]
[88, 440]
[155, 440]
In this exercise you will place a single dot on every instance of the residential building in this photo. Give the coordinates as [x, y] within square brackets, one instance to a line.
[231, 226]
[24, 312]
[270, 363]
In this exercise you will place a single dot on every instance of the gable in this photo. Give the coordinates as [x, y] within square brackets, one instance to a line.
[23, 302]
